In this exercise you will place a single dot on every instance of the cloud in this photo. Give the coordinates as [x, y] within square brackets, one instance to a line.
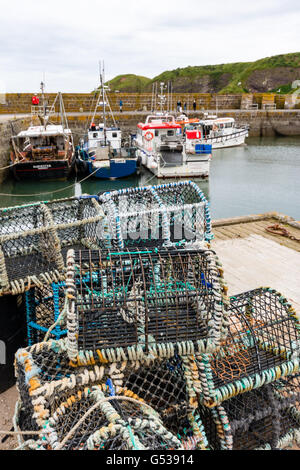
[67, 39]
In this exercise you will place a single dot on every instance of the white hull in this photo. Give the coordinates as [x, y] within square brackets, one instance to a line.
[191, 166]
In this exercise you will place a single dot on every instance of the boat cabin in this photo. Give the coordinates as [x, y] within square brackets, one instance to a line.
[40, 142]
[209, 128]
[100, 136]
[159, 133]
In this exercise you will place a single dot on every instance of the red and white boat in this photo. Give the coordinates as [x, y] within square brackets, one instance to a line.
[217, 132]
[162, 149]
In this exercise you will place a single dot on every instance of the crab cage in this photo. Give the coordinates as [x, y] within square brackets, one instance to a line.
[134, 302]
[43, 306]
[34, 240]
[261, 346]
[104, 418]
[263, 418]
[153, 216]
[46, 380]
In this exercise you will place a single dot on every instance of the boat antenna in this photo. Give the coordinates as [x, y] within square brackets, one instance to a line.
[43, 102]
[101, 67]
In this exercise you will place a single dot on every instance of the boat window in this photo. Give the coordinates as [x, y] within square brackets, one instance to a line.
[95, 134]
[156, 133]
[114, 134]
[228, 124]
[170, 133]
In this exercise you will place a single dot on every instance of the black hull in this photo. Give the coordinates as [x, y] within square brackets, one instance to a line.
[58, 169]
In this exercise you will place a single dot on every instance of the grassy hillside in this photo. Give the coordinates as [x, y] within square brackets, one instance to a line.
[271, 74]
[129, 83]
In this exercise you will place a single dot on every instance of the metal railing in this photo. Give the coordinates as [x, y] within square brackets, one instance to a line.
[226, 137]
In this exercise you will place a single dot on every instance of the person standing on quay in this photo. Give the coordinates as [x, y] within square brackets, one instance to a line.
[194, 105]
[121, 106]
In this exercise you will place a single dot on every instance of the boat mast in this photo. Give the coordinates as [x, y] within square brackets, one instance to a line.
[43, 103]
[162, 97]
[103, 94]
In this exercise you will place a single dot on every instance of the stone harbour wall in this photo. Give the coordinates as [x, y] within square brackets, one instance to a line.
[262, 123]
[8, 128]
[20, 103]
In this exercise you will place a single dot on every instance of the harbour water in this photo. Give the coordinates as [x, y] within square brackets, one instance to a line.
[259, 177]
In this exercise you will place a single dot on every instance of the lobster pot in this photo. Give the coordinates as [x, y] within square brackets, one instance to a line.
[157, 215]
[161, 384]
[34, 240]
[265, 418]
[78, 222]
[164, 384]
[28, 248]
[101, 418]
[262, 345]
[43, 308]
[44, 377]
[131, 303]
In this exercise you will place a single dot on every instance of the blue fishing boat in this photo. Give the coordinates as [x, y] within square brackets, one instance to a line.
[104, 153]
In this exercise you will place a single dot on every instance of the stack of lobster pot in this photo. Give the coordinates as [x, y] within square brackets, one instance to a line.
[155, 355]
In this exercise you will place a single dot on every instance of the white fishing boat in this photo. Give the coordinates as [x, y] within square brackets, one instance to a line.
[44, 151]
[219, 132]
[162, 149]
[103, 153]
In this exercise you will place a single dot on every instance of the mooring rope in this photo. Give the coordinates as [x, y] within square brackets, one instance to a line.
[8, 166]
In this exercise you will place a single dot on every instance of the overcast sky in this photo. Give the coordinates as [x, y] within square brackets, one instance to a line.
[66, 39]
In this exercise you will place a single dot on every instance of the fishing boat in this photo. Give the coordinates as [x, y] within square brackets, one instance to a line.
[104, 153]
[44, 151]
[162, 148]
[218, 132]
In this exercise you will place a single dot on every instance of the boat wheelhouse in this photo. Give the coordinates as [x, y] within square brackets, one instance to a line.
[162, 149]
[218, 132]
[43, 151]
[104, 154]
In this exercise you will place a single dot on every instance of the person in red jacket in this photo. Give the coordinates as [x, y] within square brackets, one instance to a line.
[35, 100]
